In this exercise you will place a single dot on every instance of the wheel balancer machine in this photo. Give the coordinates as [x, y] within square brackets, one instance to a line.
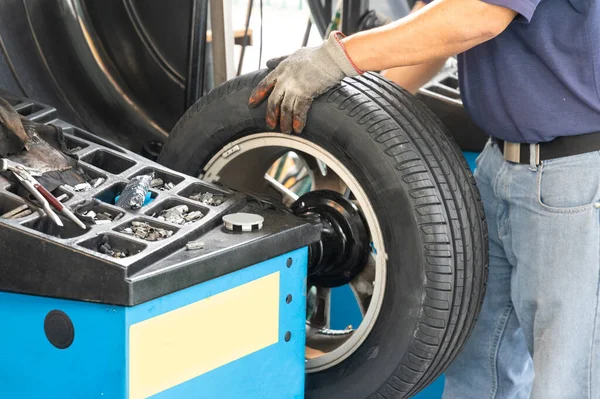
[102, 313]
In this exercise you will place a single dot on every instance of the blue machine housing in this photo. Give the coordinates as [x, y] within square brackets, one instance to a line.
[98, 363]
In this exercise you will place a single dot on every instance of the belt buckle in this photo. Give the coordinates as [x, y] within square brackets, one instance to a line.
[512, 152]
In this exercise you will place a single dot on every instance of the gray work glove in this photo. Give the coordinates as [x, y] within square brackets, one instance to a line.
[298, 79]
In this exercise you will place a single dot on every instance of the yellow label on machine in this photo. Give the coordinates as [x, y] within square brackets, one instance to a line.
[182, 344]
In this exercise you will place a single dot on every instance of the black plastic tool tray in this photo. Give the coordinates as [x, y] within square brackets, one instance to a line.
[69, 266]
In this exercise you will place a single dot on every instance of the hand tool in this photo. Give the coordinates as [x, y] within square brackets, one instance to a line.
[51, 199]
[25, 177]
[58, 205]
[14, 212]
[8, 165]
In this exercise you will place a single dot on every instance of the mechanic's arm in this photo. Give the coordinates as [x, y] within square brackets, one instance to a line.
[413, 77]
[438, 30]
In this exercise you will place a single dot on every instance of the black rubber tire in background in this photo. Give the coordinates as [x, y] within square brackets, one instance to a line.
[425, 200]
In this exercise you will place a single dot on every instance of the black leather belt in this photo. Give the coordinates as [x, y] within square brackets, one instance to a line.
[558, 148]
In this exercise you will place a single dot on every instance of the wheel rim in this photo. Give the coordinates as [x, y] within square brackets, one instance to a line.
[243, 164]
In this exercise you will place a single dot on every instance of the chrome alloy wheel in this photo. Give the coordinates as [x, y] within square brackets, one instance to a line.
[244, 164]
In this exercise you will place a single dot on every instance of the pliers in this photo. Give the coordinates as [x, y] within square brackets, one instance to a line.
[44, 197]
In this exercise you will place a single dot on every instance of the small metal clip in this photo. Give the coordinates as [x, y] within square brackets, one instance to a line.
[534, 155]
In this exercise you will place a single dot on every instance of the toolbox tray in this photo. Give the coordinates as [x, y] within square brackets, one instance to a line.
[65, 263]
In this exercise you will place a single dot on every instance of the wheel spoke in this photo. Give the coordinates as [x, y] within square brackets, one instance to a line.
[320, 339]
[325, 341]
[322, 167]
[331, 181]
[328, 181]
[362, 286]
[323, 178]
[321, 317]
[288, 196]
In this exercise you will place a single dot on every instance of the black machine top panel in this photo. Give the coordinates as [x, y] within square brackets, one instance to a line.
[39, 259]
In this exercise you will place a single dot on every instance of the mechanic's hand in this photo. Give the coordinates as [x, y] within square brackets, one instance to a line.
[298, 79]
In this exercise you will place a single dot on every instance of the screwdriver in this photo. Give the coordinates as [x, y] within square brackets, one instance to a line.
[58, 205]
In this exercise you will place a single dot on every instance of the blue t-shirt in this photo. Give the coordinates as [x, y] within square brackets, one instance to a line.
[540, 78]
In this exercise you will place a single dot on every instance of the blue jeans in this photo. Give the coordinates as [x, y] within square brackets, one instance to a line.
[538, 334]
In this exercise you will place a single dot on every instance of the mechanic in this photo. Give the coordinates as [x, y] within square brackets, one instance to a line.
[529, 73]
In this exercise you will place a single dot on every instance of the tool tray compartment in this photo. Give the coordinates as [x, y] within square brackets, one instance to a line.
[40, 258]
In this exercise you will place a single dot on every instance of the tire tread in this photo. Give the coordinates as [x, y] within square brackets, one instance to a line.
[445, 200]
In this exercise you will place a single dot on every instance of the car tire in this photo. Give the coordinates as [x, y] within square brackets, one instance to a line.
[427, 205]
